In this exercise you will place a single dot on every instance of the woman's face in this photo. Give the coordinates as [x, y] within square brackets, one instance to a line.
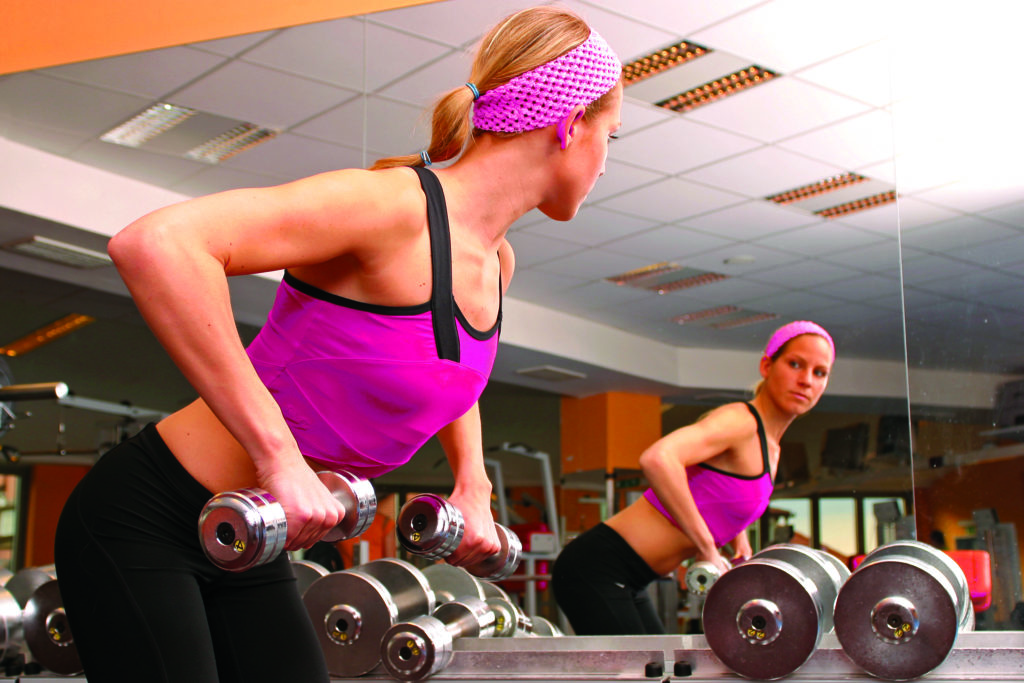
[797, 378]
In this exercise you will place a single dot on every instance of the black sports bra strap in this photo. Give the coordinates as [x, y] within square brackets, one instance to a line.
[442, 300]
[761, 436]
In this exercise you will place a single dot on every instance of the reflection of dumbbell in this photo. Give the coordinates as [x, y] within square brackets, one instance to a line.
[352, 609]
[700, 576]
[899, 614]
[47, 634]
[243, 529]
[455, 583]
[764, 618]
[431, 527]
[416, 649]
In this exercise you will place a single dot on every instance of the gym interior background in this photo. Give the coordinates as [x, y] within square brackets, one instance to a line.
[847, 181]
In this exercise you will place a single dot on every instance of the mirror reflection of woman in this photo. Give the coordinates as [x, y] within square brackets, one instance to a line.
[709, 481]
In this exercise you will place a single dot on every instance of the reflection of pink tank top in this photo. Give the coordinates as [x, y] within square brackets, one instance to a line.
[728, 502]
[363, 386]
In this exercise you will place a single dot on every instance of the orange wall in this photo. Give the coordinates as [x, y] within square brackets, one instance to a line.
[51, 485]
[51, 32]
[608, 431]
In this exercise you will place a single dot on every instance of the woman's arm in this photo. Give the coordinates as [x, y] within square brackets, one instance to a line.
[175, 261]
[741, 550]
[665, 462]
[462, 441]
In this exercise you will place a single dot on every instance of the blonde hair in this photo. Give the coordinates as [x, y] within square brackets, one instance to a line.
[521, 42]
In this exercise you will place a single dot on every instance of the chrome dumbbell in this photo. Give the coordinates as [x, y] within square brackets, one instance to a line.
[242, 529]
[416, 649]
[431, 527]
[700, 576]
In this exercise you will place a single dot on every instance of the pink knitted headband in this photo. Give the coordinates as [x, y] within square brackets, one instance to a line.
[545, 95]
[795, 329]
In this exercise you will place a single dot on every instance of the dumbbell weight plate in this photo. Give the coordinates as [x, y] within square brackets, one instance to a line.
[896, 617]
[306, 572]
[540, 626]
[762, 619]
[357, 496]
[25, 582]
[242, 529]
[352, 609]
[820, 571]
[941, 561]
[509, 621]
[47, 632]
[451, 583]
[502, 564]
[430, 526]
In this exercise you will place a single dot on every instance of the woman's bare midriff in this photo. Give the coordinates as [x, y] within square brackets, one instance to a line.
[659, 542]
[206, 449]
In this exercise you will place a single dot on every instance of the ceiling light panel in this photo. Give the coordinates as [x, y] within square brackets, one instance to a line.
[230, 143]
[660, 61]
[822, 186]
[720, 88]
[58, 252]
[666, 277]
[858, 205]
[148, 124]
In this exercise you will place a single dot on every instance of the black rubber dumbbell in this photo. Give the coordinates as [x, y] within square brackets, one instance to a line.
[242, 529]
[431, 527]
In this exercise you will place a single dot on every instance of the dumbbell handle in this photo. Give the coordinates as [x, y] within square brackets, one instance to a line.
[245, 528]
[416, 649]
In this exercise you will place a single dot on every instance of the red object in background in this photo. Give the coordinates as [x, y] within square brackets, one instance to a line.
[525, 533]
[977, 566]
[855, 561]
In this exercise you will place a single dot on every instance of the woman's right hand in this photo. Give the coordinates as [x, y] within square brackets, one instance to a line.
[309, 507]
[715, 557]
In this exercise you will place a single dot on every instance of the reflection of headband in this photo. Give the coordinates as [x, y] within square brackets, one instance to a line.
[545, 95]
[795, 329]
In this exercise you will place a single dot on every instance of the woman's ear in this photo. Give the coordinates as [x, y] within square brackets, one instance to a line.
[766, 364]
[566, 128]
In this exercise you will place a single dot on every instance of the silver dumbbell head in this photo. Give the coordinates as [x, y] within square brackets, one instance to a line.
[451, 583]
[414, 650]
[12, 634]
[897, 616]
[822, 572]
[359, 499]
[430, 526]
[700, 576]
[762, 619]
[47, 632]
[502, 564]
[242, 529]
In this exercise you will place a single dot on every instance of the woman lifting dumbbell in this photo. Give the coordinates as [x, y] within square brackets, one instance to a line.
[383, 333]
[709, 481]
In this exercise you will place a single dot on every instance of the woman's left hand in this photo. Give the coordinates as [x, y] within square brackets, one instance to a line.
[480, 540]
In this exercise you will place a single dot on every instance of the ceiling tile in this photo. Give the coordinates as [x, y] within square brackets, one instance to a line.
[619, 178]
[1011, 214]
[877, 257]
[235, 45]
[781, 108]
[151, 74]
[63, 105]
[998, 254]
[884, 219]
[864, 74]
[716, 260]
[877, 290]
[823, 238]
[953, 235]
[300, 50]
[533, 249]
[667, 243]
[793, 304]
[979, 193]
[399, 128]
[454, 22]
[423, 86]
[591, 264]
[293, 157]
[638, 114]
[789, 34]
[707, 68]
[733, 291]
[751, 220]
[933, 267]
[597, 295]
[853, 143]
[254, 93]
[671, 200]
[52, 140]
[533, 285]
[679, 16]
[630, 39]
[806, 274]
[678, 145]
[158, 169]
[763, 172]
[975, 285]
[591, 226]
[219, 179]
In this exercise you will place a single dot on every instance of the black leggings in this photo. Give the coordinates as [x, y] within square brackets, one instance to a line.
[143, 601]
[600, 583]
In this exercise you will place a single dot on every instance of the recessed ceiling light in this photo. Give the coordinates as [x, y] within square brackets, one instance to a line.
[858, 205]
[58, 252]
[661, 60]
[145, 126]
[665, 277]
[642, 275]
[739, 260]
[704, 315]
[827, 185]
[717, 89]
[230, 143]
[745, 320]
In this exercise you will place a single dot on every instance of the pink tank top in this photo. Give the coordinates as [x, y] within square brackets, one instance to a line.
[364, 386]
[728, 502]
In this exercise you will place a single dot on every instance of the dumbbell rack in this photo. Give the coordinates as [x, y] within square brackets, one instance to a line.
[981, 657]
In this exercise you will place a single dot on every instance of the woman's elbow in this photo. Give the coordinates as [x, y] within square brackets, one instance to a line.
[652, 461]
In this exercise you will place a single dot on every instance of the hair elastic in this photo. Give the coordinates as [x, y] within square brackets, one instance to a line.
[425, 157]
[795, 329]
[472, 88]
